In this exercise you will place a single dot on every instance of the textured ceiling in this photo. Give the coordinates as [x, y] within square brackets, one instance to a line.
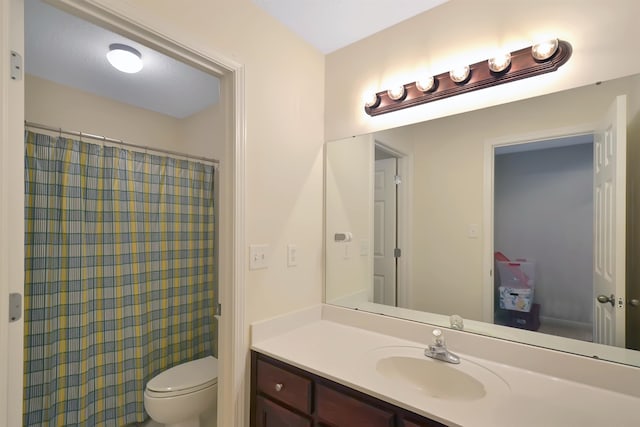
[70, 51]
[332, 24]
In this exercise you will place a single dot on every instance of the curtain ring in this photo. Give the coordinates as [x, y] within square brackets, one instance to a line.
[60, 132]
[80, 136]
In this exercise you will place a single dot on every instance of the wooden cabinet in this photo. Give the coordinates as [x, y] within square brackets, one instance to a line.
[285, 396]
[270, 414]
[336, 408]
[284, 386]
[417, 423]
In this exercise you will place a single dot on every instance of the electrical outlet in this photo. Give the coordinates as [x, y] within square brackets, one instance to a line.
[258, 257]
[292, 255]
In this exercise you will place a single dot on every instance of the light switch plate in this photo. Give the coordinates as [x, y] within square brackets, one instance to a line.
[473, 231]
[258, 257]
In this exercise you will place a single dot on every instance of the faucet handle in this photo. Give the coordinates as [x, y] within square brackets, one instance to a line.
[438, 339]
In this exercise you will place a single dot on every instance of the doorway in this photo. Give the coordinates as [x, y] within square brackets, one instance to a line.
[543, 229]
[385, 227]
[232, 353]
[391, 224]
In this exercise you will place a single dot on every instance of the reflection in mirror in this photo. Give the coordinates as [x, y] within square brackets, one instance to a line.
[433, 209]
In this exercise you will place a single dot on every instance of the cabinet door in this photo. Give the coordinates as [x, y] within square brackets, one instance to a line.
[337, 409]
[269, 414]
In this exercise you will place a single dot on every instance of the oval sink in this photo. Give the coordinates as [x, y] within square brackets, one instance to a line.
[409, 368]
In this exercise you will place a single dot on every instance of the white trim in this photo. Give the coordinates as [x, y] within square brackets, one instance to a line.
[488, 199]
[487, 225]
[233, 354]
[405, 200]
[239, 353]
[11, 215]
[4, 222]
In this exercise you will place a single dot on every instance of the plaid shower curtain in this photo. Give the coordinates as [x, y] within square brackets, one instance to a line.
[119, 277]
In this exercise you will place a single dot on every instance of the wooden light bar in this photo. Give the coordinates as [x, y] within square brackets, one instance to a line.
[523, 65]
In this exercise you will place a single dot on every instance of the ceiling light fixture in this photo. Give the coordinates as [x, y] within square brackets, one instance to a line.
[531, 61]
[124, 58]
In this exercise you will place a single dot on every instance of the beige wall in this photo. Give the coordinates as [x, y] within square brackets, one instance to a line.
[449, 162]
[62, 106]
[53, 104]
[205, 132]
[284, 86]
[603, 34]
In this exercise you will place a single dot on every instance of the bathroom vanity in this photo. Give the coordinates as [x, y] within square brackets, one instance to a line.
[330, 366]
[283, 395]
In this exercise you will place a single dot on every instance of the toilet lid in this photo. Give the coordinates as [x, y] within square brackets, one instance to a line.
[186, 375]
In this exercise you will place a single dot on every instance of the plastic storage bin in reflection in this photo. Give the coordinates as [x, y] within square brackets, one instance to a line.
[517, 283]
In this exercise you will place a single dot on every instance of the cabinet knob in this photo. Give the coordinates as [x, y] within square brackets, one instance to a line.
[279, 387]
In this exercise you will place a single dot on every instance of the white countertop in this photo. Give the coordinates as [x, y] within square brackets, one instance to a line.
[340, 352]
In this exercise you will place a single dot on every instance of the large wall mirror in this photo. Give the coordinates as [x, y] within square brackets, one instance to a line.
[438, 221]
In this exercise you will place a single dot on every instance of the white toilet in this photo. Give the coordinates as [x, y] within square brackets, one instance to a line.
[179, 396]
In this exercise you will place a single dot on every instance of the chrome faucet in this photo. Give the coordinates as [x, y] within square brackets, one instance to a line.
[438, 350]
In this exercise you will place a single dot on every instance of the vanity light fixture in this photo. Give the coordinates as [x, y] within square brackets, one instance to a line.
[124, 58]
[531, 61]
[397, 93]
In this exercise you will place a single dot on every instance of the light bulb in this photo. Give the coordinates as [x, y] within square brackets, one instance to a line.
[499, 62]
[396, 93]
[425, 85]
[460, 74]
[544, 50]
[371, 100]
[124, 58]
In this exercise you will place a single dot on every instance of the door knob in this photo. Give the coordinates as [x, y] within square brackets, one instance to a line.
[605, 299]
[634, 302]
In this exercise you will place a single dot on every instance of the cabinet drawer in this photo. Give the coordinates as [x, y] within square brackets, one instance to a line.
[284, 386]
[422, 423]
[341, 410]
[269, 414]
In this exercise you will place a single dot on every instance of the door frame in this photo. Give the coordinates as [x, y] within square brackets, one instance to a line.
[233, 353]
[490, 146]
[404, 220]
[11, 213]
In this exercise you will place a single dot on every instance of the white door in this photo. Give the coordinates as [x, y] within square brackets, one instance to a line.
[610, 149]
[384, 232]
[11, 210]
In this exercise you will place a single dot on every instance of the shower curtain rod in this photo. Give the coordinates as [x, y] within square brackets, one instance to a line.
[116, 141]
